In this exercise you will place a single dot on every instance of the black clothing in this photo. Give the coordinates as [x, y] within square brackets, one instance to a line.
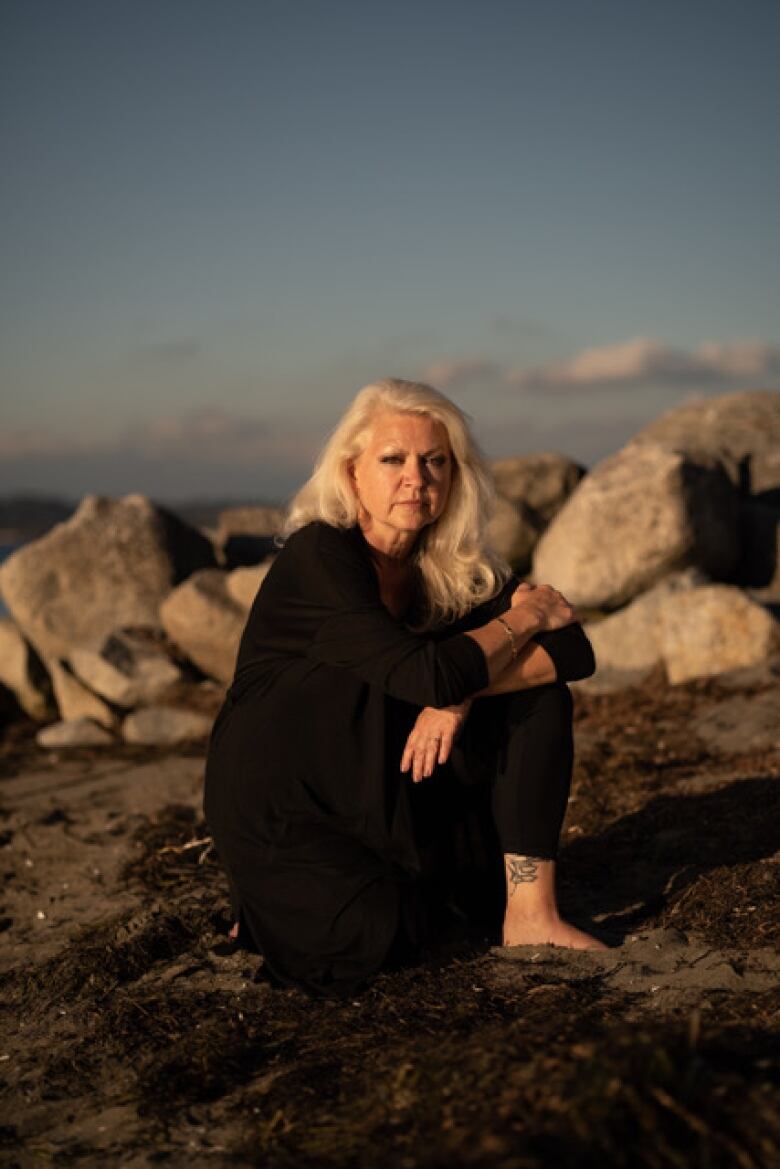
[331, 853]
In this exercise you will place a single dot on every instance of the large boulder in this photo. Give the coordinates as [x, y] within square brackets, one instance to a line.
[639, 515]
[542, 482]
[742, 430]
[713, 629]
[245, 535]
[109, 566]
[206, 622]
[627, 644]
[128, 670]
[513, 532]
[22, 672]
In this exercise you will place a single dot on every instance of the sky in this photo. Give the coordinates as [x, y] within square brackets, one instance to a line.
[220, 218]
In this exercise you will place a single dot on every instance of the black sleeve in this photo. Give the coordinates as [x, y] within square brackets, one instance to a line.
[569, 648]
[354, 630]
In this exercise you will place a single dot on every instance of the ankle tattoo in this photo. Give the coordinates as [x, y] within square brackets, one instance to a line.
[522, 870]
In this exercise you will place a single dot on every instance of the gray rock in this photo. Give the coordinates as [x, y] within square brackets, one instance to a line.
[741, 724]
[75, 732]
[74, 700]
[542, 482]
[713, 629]
[513, 532]
[639, 515]
[165, 726]
[23, 674]
[206, 622]
[740, 429]
[127, 671]
[109, 566]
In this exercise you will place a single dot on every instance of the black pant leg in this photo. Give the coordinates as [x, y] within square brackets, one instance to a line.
[525, 739]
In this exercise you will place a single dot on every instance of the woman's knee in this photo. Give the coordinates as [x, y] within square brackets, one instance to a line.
[552, 703]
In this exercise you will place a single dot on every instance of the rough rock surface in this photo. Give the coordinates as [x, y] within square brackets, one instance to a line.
[206, 622]
[513, 532]
[108, 566]
[75, 732]
[21, 671]
[741, 429]
[713, 629]
[639, 515]
[126, 671]
[543, 482]
[74, 699]
[728, 726]
[165, 726]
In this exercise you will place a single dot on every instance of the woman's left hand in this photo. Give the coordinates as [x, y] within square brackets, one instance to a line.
[431, 738]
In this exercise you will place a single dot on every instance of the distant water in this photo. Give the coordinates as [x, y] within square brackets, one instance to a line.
[6, 550]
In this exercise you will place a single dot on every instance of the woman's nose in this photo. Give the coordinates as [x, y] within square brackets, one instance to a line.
[414, 472]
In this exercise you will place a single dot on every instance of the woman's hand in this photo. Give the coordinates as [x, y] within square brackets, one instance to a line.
[543, 604]
[431, 738]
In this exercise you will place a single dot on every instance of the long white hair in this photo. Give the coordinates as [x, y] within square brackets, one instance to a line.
[457, 567]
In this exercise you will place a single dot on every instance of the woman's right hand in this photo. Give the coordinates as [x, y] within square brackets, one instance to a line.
[543, 605]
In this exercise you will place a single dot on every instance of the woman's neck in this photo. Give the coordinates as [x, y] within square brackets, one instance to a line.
[389, 551]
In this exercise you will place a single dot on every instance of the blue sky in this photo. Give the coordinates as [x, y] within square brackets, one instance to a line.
[219, 219]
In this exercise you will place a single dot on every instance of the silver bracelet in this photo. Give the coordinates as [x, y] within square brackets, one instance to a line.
[511, 635]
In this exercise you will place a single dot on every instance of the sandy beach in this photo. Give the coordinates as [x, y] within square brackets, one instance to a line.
[133, 1033]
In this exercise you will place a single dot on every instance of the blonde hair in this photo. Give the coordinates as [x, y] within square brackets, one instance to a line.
[457, 568]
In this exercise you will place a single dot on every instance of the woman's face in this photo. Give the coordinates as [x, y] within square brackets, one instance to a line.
[402, 477]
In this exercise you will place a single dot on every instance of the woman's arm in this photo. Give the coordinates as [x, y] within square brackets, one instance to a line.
[533, 666]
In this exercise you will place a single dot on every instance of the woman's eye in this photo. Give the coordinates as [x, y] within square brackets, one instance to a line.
[437, 460]
[391, 459]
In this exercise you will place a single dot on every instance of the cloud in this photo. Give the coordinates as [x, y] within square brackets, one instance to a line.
[208, 452]
[644, 361]
[210, 434]
[447, 374]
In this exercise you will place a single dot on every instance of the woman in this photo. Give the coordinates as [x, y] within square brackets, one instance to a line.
[344, 810]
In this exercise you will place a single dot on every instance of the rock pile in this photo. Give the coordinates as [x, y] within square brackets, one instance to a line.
[670, 546]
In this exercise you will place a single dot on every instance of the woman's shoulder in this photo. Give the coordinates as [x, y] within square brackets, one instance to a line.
[327, 545]
[317, 534]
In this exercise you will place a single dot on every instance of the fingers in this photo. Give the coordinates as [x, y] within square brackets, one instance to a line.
[422, 756]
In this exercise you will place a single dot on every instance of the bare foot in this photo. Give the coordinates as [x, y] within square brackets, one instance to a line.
[233, 935]
[557, 932]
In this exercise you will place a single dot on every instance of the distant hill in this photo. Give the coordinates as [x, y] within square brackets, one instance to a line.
[24, 517]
